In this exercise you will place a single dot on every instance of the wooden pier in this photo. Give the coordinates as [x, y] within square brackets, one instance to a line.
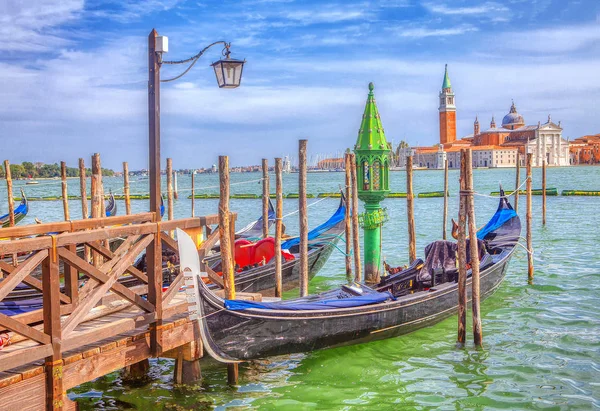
[90, 324]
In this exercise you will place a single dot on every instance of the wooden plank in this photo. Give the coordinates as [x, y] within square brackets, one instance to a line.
[18, 358]
[109, 254]
[31, 281]
[105, 362]
[214, 277]
[19, 273]
[23, 329]
[24, 245]
[173, 289]
[77, 262]
[169, 242]
[32, 389]
[94, 297]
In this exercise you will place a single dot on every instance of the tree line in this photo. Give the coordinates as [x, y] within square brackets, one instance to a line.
[40, 170]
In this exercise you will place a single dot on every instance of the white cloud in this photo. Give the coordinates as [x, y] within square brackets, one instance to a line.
[484, 8]
[553, 40]
[29, 26]
[423, 32]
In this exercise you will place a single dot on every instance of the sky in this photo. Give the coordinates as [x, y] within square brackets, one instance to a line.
[74, 74]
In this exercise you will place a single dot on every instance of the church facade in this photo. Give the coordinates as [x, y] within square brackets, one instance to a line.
[496, 146]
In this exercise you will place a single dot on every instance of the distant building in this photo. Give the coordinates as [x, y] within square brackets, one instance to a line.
[496, 146]
[585, 150]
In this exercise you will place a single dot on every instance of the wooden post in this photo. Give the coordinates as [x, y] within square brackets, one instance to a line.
[278, 225]
[126, 187]
[154, 249]
[265, 193]
[303, 218]
[52, 327]
[412, 245]
[175, 187]
[224, 229]
[96, 199]
[528, 218]
[544, 192]
[11, 201]
[474, 252]
[101, 189]
[445, 199]
[347, 215]
[355, 232]
[193, 192]
[65, 196]
[462, 255]
[170, 187]
[517, 181]
[83, 189]
[11, 204]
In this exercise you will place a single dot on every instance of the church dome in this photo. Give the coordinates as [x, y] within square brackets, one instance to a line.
[513, 119]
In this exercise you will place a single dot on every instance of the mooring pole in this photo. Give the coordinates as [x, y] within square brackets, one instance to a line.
[517, 182]
[175, 186]
[412, 245]
[83, 189]
[96, 199]
[355, 232]
[303, 216]
[278, 225]
[528, 218]
[544, 192]
[126, 188]
[193, 192]
[11, 203]
[445, 198]
[226, 248]
[348, 216]
[101, 189]
[65, 195]
[462, 254]
[474, 252]
[170, 187]
[265, 195]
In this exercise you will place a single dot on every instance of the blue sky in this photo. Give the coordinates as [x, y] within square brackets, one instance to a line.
[74, 73]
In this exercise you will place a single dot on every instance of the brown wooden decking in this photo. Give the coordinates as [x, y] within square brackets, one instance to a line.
[93, 325]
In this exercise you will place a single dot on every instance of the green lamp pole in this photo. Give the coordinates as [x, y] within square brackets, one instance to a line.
[372, 165]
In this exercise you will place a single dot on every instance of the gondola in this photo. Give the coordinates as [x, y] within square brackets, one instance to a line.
[322, 240]
[234, 330]
[111, 206]
[20, 212]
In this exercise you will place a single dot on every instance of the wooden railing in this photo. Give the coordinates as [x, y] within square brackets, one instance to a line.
[53, 329]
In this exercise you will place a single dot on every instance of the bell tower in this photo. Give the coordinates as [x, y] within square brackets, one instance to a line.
[447, 112]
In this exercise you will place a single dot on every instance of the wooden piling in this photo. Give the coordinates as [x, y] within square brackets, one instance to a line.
[528, 219]
[175, 186]
[278, 225]
[517, 181]
[445, 199]
[170, 187]
[265, 199]
[193, 193]
[65, 195]
[101, 189]
[224, 229]
[303, 216]
[412, 245]
[544, 192]
[474, 252]
[462, 255]
[83, 189]
[126, 187]
[347, 215]
[97, 199]
[11, 203]
[9, 189]
[355, 232]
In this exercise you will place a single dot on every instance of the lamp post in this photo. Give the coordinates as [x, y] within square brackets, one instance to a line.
[229, 75]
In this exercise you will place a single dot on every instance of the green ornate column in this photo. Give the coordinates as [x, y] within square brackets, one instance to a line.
[372, 167]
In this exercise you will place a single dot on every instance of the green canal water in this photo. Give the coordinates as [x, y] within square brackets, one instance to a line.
[542, 341]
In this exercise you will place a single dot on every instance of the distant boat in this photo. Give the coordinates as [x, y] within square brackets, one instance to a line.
[29, 183]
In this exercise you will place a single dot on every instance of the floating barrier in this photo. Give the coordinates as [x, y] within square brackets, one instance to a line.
[329, 195]
[431, 194]
[580, 193]
[396, 195]
[535, 192]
